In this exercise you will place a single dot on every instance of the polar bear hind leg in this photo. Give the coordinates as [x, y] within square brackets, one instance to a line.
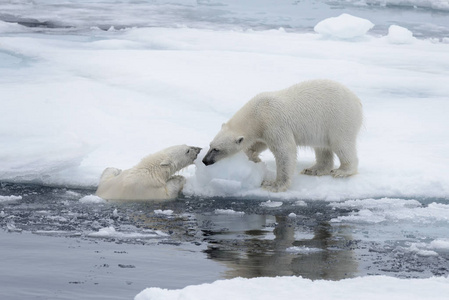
[324, 163]
[347, 154]
[109, 173]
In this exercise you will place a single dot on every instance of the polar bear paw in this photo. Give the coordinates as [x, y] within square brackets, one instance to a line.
[274, 186]
[175, 185]
[315, 171]
[341, 173]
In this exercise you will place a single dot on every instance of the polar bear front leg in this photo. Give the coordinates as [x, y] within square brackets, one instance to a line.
[174, 186]
[254, 151]
[285, 155]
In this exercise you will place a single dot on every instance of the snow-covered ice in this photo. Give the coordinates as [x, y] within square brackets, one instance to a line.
[369, 288]
[136, 91]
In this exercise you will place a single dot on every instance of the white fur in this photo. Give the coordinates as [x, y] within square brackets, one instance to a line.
[322, 114]
[151, 179]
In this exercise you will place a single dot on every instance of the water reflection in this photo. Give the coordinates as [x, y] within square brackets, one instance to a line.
[263, 249]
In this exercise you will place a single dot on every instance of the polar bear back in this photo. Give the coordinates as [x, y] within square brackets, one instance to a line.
[316, 112]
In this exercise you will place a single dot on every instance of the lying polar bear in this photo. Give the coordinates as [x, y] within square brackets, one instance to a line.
[151, 179]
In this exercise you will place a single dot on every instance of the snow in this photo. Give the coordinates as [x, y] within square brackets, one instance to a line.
[399, 35]
[369, 288]
[344, 26]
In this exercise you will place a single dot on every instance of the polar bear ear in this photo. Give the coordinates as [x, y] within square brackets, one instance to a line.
[239, 140]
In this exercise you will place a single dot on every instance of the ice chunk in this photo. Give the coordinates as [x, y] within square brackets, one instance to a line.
[399, 35]
[344, 26]
[226, 177]
[92, 199]
[10, 198]
[440, 244]
[110, 232]
[270, 203]
[302, 250]
[300, 203]
[229, 212]
[167, 212]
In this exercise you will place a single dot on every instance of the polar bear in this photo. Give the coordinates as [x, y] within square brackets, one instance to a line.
[322, 114]
[151, 179]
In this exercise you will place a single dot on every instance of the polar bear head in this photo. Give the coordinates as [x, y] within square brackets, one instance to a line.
[178, 157]
[226, 143]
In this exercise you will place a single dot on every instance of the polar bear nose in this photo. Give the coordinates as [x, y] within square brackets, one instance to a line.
[207, 160]
[197, 149]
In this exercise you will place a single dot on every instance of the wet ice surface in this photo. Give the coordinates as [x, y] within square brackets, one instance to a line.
[64, 248]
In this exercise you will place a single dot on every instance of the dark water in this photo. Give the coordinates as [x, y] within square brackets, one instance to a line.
[48, 252]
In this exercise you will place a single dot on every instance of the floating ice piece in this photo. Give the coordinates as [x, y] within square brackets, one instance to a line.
[344, 26]
[302, 250]
[92, 199]
[440, 244]
[270, 203]
[229, 212]
[167, 212]
[400, 35]
[10, 198]
[292, 215]
[300, 203]
[421, 252]
[110, 232]
[392, 210]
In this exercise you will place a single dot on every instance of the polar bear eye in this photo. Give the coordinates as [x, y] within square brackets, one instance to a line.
[188, 151]
[215, 150]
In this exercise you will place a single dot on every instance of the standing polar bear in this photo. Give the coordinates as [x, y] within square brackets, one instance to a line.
[322, 114]
[151, 179]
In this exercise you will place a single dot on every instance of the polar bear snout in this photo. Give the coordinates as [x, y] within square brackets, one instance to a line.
[209, 159]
